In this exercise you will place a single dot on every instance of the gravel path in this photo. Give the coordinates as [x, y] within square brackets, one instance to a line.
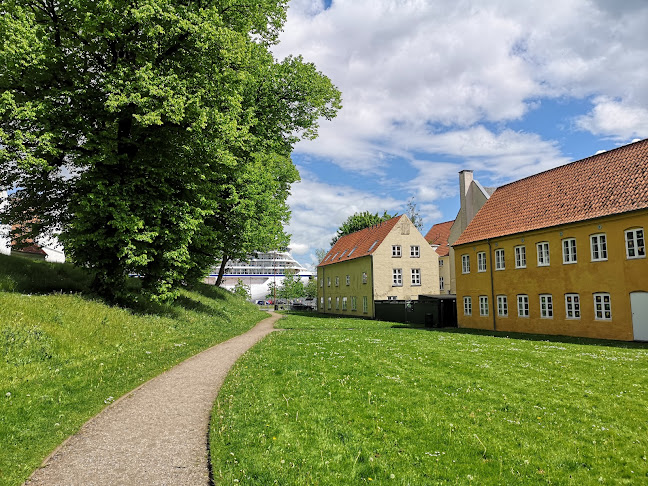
[155, 435]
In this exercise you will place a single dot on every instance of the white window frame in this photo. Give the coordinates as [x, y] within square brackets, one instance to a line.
[354, 303]
[523, 305]
[500, 263]
[322, 283]
[391, 297]
[502, 306]
[415, 251]
[483, 305]
[520, 256]
[572, 306]
[441, 283]
[416, 276]
[328, 281]
[635, 243]
[602, 312]
[364, 277]
[467, 303]
[329, 303]
[542, 249]
[598, 247]
[397, 277]
[337, 281]
[365, 304]
[570, 255]
[546, 306]
[337, 303]
[344, 303]
[396, 251]
[321, 302]
[465, 263]
[440, 262]
[481, 261]
[348, 279]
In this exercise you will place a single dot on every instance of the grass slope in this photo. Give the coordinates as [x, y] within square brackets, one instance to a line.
[343, 401]
[64, 357]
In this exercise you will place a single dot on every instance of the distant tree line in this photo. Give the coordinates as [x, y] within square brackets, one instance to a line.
[153, 136]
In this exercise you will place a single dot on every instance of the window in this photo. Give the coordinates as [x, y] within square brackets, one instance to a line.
[635, 245]
[520, 257]
[397, 277]
[440, 283]
[546, 306]
[467, 301]
[523, 305]
[481, 261]
[364, 277]
[543, 254]
[344, 303]
[598, 246]
[415, 251]
[328, 281]
[499, 260]
[502, 306]
[602, 307]
[391, 297]
[354, 303]
[465, 263]
[337, 303]
[365, 304]
[572, 306]
[337, 281]
[329, 303]
[440, 262]
[416, 276]
[396, 251]
[483, 305]
[569, 250]
[321, 302]
[321, 283]
[348, 279]
[372, 246]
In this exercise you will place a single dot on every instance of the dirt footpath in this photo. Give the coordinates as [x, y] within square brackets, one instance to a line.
[155, 435]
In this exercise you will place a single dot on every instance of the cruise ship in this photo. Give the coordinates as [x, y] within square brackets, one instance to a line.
[259, 271]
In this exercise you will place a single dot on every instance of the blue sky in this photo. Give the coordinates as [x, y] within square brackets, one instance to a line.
[504, 88]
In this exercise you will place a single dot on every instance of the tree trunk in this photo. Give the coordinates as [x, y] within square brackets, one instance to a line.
[221, 271]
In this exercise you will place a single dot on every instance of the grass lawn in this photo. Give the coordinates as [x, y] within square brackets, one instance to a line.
[343, 401]
[64, 356]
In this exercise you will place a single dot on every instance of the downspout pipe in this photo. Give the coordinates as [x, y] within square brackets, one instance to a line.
[492, 264]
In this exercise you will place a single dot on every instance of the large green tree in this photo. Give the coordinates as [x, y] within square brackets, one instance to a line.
[359, 221]
[132, 128]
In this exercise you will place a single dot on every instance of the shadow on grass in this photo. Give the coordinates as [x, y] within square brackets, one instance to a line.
[543, 337]
[210, 291]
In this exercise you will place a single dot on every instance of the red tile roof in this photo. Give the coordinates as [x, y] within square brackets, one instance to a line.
[359, 244]
[438, 235]
[609, 183]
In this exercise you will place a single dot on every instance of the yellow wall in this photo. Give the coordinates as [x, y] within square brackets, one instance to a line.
[618, 276]
[406, 235]
[354, 268]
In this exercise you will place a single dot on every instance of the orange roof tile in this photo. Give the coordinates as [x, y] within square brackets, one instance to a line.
[609, 183]
[359, 244]
[438, 235]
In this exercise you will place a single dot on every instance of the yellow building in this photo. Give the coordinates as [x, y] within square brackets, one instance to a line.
[388, 261]
[561, 252]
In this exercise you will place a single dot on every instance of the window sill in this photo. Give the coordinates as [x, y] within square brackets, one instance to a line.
[569, 263]
[636, 257]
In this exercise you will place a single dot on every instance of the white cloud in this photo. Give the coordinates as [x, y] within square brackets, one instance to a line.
[615, 118]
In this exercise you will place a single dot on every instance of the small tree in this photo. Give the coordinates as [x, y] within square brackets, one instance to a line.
[273, 291]
[413, 215]
[242, 290]
[292, 286]
[310, 290]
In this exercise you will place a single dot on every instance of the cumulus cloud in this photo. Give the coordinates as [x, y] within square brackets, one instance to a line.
[616, 119]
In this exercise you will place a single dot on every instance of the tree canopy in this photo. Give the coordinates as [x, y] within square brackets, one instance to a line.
[154, 136]
[359, 221]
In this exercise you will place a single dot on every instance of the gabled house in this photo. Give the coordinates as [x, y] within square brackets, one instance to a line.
[387, 261]
[561, 252]
[437, 237]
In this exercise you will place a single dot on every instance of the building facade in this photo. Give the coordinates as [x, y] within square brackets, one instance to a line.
[562, 252]
[388, 261]
[437, 237]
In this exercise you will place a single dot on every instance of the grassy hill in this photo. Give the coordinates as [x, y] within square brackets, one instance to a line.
[65, 355]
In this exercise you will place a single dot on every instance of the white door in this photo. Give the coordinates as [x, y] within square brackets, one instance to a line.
[639, 304]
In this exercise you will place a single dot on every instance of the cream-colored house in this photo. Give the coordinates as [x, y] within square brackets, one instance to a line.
[387, 261]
